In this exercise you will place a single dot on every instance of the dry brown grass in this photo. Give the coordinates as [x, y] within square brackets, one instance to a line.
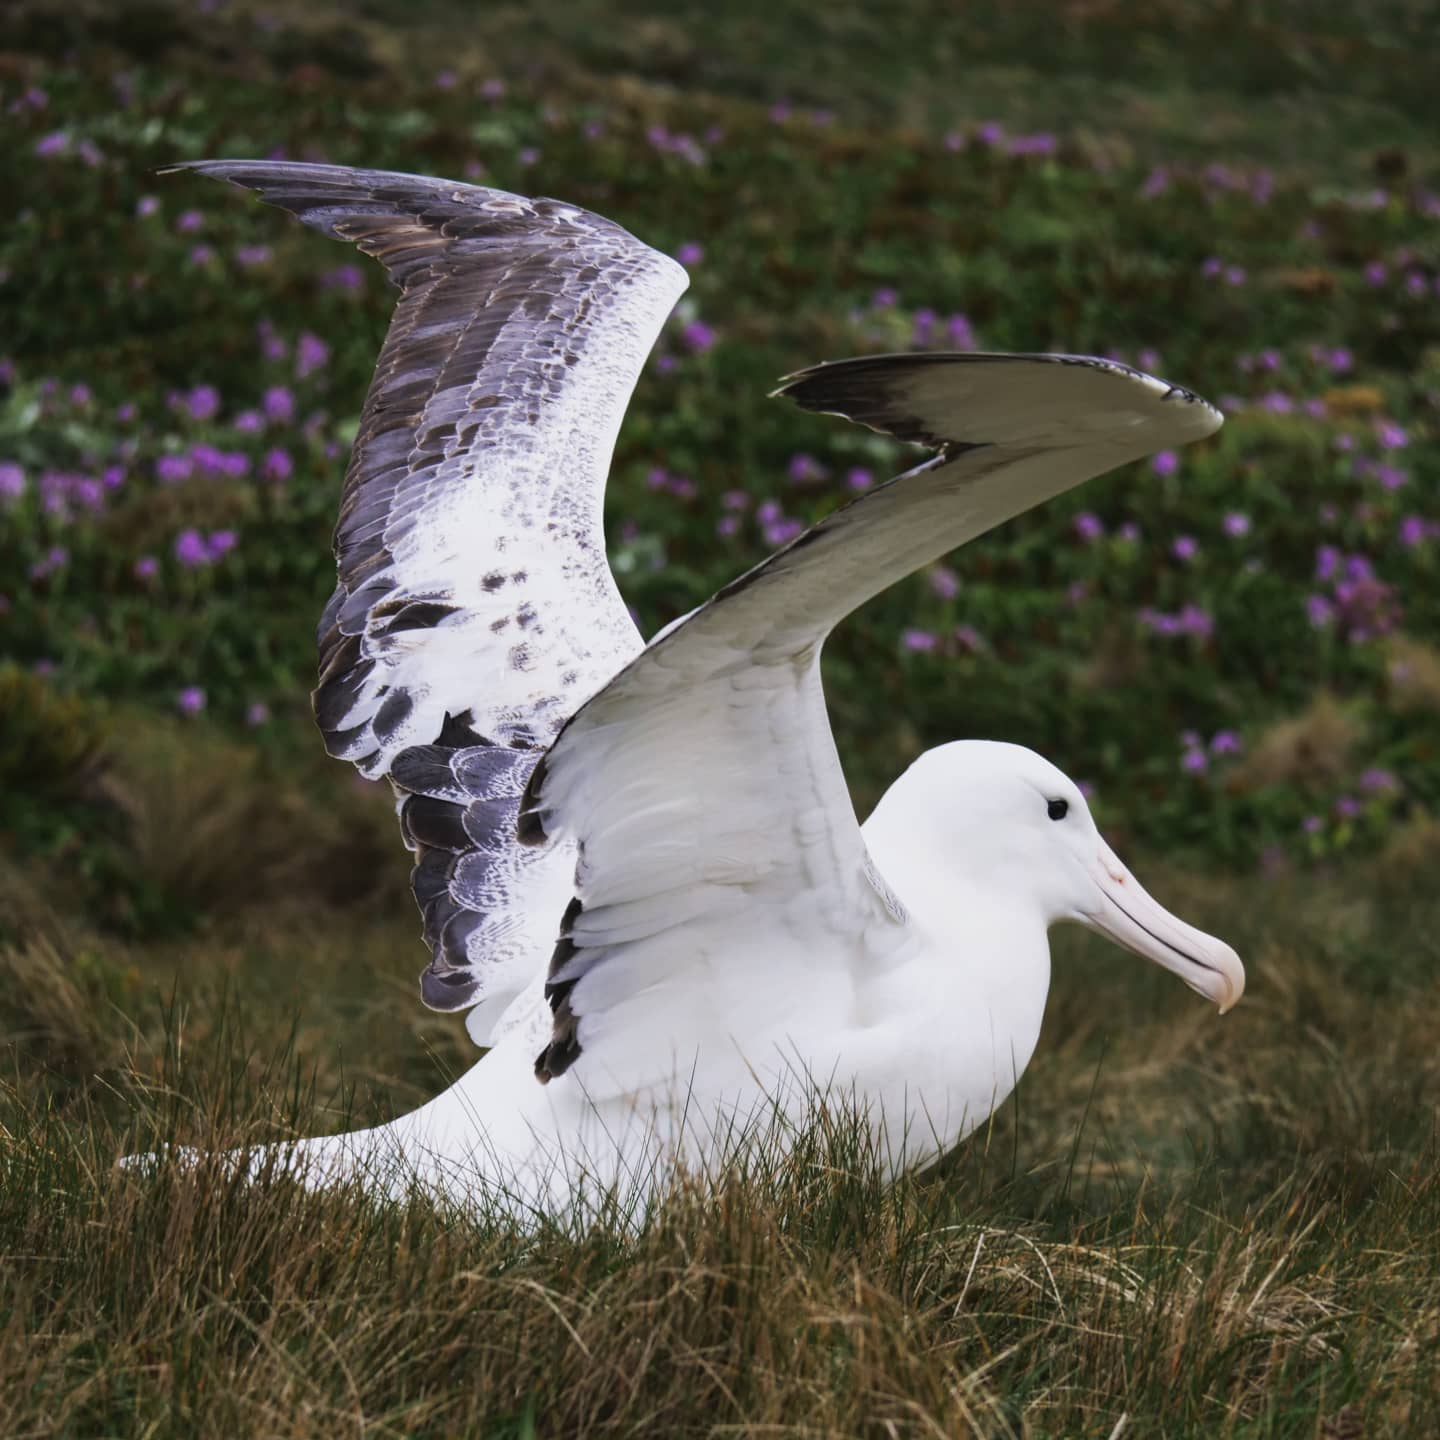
[1313, 746]
[1208, 1227]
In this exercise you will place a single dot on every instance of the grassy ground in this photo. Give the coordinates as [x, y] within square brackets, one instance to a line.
[1183, 1225]
[1211, 1227]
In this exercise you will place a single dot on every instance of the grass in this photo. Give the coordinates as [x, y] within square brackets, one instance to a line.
[1196, 1226]
[1182, 1226]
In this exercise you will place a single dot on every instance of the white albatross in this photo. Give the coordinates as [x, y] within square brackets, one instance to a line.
[638, 865]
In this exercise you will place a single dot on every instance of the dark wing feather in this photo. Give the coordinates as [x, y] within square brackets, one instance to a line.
[474, 609]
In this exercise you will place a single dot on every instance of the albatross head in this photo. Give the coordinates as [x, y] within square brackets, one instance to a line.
[1020, 830]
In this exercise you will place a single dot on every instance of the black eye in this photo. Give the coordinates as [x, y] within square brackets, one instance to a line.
[1058, 809]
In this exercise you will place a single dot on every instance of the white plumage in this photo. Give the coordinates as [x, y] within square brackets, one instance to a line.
[673, 920]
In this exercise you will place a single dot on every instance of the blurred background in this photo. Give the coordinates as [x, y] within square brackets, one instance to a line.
[1232, 647]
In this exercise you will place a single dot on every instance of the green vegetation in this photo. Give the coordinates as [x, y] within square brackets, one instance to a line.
[1184, 1226]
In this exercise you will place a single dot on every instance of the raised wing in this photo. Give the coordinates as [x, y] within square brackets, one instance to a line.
[702, 783]
[474, 609]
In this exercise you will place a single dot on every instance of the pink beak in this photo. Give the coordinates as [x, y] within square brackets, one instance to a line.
[1134, 919]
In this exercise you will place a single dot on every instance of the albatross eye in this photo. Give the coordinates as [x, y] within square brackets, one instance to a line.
[1058, 809]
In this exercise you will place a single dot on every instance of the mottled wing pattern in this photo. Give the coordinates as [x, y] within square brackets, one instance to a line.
[702, 782]
[474, 608]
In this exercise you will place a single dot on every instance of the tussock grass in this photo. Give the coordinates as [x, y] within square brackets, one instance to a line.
[1202, 1227]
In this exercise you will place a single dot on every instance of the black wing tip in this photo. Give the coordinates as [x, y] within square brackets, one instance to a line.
[529, 827]
[558, 1056]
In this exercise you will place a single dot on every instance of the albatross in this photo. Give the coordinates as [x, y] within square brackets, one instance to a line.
[638, 865]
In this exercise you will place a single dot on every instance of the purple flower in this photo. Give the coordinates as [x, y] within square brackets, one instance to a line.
[727, 525]
[1156, 183]
[191, 550]
[248, 255]
[191, 700]
[189, 221]
[884, 298]
[969, 637]
[1225, 742]
[1194, 762]
[311, 354]
[1375, 272]
[918, 640]
[1129, 532]
[805, 469]
[527, 156]
[125, 412]
[1088, 526]
[781, 532]
[221, 542]
[343, 277]
[1374, 778]
[697, 336]
[201, 255]
[859, 478]
[1391, 477]
[1341, 361]
[12, 480]
[147, 567]
[1415, 530]
[55, 143]
[690, 254]
[203, 402]
[148, 205]
[172, 469]
[249, 422]
[1390, 435]
[1185, 548]
[277, 465]
[944, 582]
[1347, 807]
[1234, 274]
[1167, 462]
[208, 459]
[959, 332]
[735, 500]
[1320, 611]
[1042, 144]
[279, 404]
[1236, 525]
[1192, 620]
[1312, 824]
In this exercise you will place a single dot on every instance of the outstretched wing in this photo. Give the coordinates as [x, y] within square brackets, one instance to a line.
[475, 609]
[702, 783]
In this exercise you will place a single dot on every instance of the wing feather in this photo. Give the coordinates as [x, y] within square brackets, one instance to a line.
[474, 609]
[702, 783]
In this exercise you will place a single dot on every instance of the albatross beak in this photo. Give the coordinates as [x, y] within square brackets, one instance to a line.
[1134, 919]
